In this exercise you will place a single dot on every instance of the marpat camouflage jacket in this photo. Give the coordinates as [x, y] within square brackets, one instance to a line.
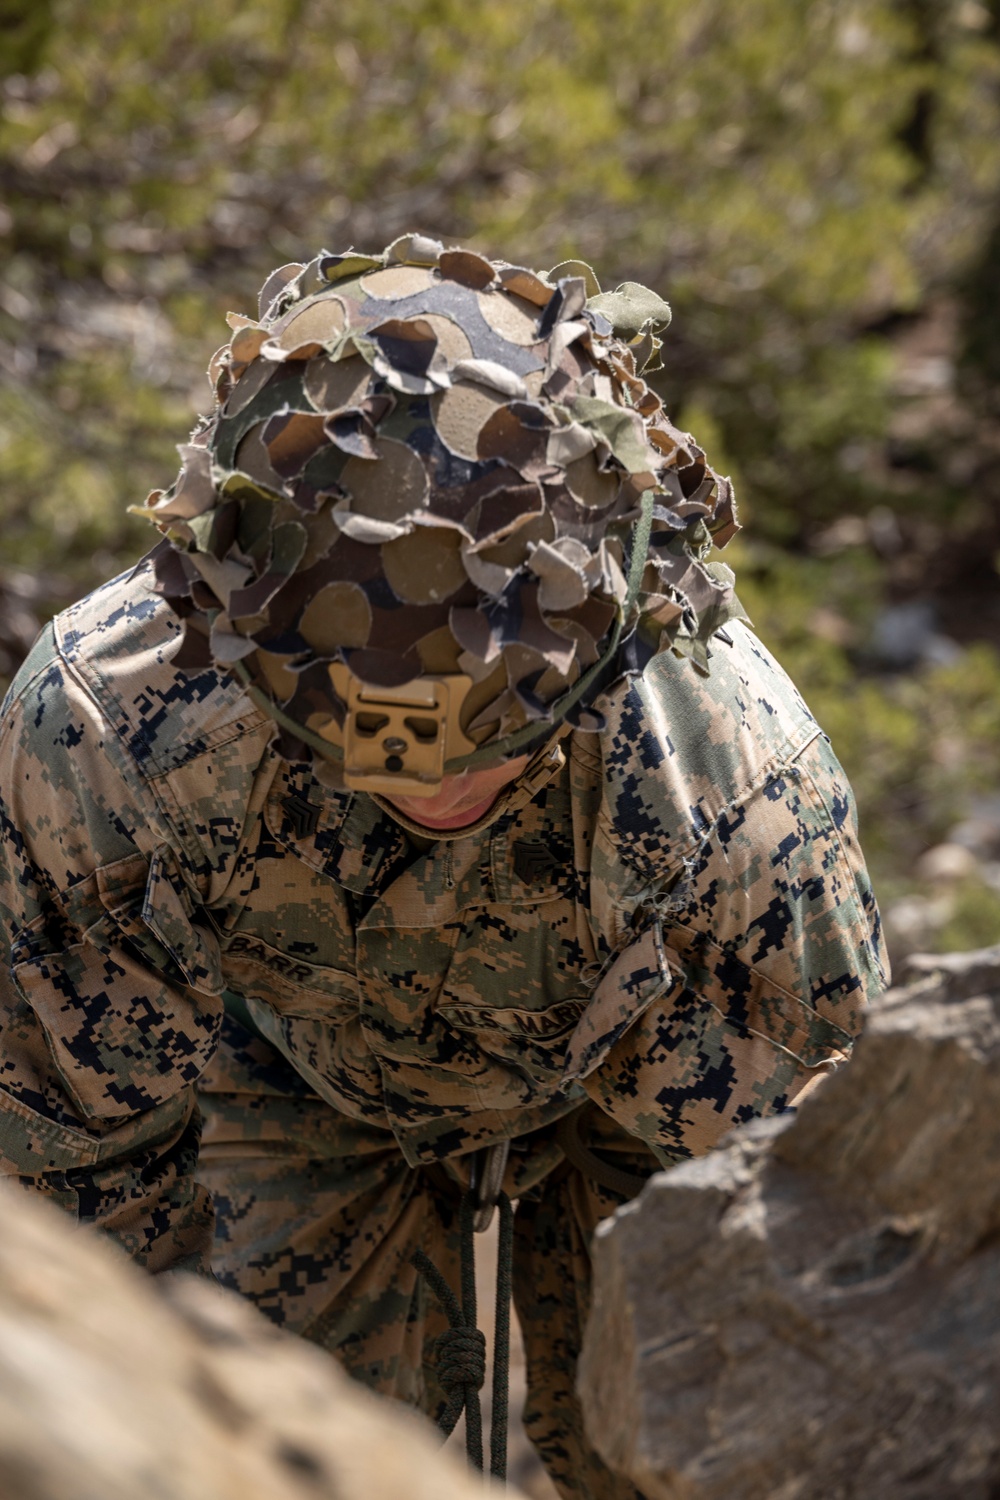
[679, 924]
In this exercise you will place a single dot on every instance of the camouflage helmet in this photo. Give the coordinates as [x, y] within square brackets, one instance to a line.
[437, 509]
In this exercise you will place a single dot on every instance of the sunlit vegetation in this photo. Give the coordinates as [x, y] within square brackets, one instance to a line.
[816, 188]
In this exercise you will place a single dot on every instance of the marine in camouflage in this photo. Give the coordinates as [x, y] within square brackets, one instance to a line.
[667, 926]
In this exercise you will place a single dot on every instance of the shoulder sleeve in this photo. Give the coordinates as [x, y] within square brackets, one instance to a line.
[109, 989]
[753, 942]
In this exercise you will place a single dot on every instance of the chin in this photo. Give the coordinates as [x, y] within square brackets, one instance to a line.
[444, 817]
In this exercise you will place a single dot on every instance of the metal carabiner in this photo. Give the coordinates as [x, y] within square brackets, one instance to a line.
[486, 1181]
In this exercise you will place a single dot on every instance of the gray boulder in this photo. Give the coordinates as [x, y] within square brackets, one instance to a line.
[812, 1312]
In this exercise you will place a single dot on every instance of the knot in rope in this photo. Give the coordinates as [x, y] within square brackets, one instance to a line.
[461, 1348]
[461, 1358]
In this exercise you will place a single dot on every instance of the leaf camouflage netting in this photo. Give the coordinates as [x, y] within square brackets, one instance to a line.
[426, 462]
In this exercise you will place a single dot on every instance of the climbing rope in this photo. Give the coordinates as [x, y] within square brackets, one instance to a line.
[461, 1349]
[501, 1339]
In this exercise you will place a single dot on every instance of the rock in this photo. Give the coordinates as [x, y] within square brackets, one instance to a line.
[811, 1312]
[946, 863]
[980, 830]
[117, 1387]
[905, 636]
[912, 924]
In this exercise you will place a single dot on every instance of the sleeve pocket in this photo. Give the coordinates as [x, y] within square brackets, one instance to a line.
[649, 971]
[754, 1005]
[126, 987]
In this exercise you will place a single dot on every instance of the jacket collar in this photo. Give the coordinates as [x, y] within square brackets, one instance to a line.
[523, 855]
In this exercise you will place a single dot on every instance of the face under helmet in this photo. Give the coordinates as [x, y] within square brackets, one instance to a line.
[437, 510]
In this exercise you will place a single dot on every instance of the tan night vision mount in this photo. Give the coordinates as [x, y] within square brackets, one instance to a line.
[397, 740]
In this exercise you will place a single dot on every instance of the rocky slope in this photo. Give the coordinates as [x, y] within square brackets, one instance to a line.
[811, 1312]
[115, 1387]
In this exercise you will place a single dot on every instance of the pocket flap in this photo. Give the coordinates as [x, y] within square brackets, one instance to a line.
[33, 1144]
[127, 1024]
[167, 910]
[636, 976]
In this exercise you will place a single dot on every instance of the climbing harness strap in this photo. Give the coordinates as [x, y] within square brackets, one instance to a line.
[616, 1179]
[486, 1182]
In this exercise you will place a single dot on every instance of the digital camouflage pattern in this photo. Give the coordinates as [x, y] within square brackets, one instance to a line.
[423, 461]
[318, 1217]
[677, 926]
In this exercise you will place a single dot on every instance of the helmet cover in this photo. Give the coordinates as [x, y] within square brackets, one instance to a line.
[424, 464]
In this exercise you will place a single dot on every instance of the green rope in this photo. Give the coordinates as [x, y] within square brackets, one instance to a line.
[461, 1349]
[501, 1339]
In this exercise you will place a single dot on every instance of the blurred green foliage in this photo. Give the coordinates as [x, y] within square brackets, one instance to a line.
[25, 28]
[974, 919]
[806, 183]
